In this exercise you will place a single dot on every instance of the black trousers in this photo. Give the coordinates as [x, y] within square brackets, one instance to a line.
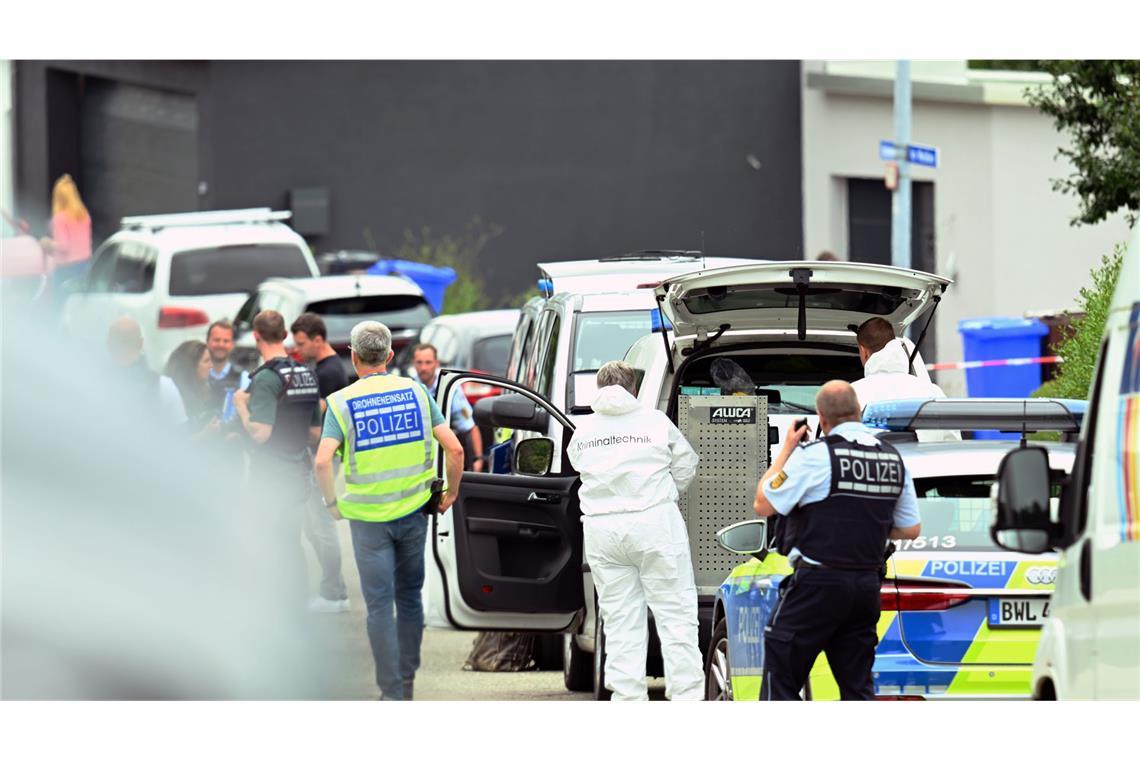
[822, 610]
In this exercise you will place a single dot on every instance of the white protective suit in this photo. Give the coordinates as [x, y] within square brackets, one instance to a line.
[887, 378]
[633, 462]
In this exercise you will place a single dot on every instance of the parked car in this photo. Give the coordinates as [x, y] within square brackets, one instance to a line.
[785, 325]
[961, 617]
[176, 273]
[341, 301]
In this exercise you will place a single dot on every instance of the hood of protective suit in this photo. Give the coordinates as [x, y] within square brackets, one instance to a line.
[891, 358]
[613, 399]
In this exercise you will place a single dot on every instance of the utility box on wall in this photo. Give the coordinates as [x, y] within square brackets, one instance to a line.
[310, 207]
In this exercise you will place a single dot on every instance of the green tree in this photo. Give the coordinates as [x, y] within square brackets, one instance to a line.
[1080, 342]
[1098, 104]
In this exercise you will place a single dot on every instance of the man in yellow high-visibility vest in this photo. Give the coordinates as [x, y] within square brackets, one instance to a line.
[383, 427]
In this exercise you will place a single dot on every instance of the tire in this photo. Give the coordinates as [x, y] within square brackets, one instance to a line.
[548, 651]
[601, 693]
[577, 665]
[718, 682]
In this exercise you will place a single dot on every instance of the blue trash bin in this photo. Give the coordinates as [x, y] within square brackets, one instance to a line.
[1001, 338]
[431, 279]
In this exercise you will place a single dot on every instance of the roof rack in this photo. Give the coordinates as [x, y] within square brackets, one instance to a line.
[205, 218]
[1012, 415]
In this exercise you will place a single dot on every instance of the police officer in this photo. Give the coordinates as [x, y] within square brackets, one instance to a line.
[280, 413]
[840, 499]
[382, 427]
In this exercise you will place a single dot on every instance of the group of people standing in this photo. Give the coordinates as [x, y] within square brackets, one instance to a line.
[290, 422]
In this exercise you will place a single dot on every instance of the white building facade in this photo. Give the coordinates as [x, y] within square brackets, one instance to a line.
[987, 216]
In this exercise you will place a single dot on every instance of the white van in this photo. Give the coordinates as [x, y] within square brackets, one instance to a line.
[508, 555]
[1090, 645]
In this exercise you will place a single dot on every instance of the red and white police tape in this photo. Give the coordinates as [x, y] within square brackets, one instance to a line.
[996, 363]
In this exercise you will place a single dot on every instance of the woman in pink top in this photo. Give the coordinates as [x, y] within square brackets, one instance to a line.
[70, 241]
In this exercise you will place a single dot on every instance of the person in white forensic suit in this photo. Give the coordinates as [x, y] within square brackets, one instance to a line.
[634, 462]
[887, 373]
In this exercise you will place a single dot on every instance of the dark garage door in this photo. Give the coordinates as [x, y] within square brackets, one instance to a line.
[139, 152]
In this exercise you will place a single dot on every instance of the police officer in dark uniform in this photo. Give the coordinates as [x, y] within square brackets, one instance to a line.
[281, 414]
[839, 499]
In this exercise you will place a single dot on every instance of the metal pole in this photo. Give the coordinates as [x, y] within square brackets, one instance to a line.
[900, 203]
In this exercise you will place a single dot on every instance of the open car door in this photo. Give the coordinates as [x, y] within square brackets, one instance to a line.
[508, 554]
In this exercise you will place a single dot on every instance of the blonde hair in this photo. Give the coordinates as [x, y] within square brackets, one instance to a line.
[65, 198]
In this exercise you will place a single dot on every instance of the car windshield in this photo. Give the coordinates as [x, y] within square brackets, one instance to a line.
[397, 312]
[956, 513]
[233, 268]
[490, 354]
[604, 336]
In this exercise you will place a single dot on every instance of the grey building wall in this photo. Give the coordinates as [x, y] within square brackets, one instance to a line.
[571, 159]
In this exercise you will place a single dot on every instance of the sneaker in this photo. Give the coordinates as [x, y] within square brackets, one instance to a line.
[322, 605]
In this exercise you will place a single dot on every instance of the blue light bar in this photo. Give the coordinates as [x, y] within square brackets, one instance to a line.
[1013, 415]
[655, 323]
[545, 287]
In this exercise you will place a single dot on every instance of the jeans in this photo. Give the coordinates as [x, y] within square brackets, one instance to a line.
[320, 530]
[390, 558]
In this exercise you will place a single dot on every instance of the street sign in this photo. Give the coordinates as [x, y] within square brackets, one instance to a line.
[919, 155]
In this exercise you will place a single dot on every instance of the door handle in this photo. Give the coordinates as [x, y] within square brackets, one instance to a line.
[1086, 570]
[544, 498]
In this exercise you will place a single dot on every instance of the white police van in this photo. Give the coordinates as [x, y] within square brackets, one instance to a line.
[1090, 644]
[508, 555]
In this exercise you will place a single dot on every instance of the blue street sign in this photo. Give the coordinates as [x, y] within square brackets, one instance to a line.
[920, 155]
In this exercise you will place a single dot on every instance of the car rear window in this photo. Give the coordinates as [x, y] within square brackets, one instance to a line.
[397, 312]
[233, 268]
[956, 513]
[863, 299]
[604, 336]
[490, 354]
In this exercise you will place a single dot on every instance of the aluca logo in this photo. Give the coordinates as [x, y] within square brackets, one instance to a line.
[729, 414]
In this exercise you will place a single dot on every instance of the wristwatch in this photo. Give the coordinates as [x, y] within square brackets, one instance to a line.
[330, 504]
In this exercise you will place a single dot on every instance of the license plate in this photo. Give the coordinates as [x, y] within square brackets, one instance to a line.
[1018, 613]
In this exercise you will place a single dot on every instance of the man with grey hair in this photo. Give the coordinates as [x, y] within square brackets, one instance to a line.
[382, 427]
[634, 462]
[839, 500]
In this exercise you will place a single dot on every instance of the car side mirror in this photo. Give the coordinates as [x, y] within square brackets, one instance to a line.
[533, 456]
[512, 411]
[748, 537]
[1020, 497]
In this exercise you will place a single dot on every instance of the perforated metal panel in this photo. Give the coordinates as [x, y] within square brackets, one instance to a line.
[734, 454]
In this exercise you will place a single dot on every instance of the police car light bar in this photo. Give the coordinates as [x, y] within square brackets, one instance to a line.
[203, 218]
[1014, 415]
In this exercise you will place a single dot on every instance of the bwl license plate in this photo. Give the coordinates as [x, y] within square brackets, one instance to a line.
[1018, 613]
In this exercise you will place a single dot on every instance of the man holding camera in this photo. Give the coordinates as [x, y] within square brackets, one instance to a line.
[383, 428]
[839, 499]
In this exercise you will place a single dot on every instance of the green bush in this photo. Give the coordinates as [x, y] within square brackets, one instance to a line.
[1080, 342]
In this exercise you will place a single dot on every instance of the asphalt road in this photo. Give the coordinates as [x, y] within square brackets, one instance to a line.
[441, 675]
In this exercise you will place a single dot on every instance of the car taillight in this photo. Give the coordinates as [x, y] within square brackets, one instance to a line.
[926, 598]
[179, 316]
[477, 391]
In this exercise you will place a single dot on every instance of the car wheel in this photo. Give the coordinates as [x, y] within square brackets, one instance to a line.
[577, 665]
[601, 693]
[718, 682]
[548, 651]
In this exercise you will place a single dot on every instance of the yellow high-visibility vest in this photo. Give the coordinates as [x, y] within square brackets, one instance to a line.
[387, 449]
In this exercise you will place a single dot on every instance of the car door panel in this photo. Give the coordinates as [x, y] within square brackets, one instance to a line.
[513, 551]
